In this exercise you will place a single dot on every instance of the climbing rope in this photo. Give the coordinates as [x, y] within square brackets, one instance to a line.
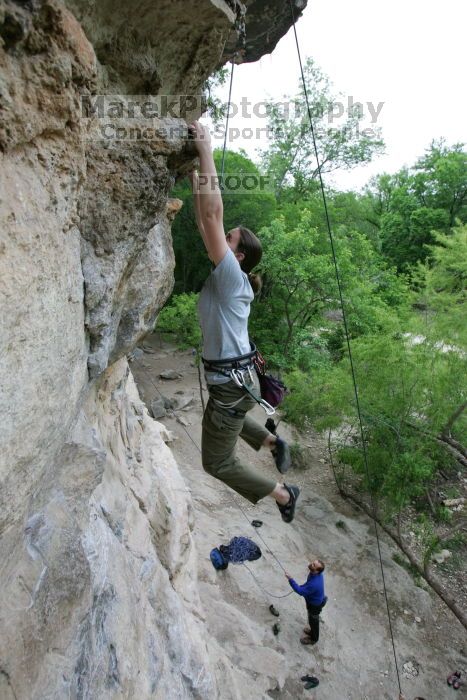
[221, 179]
[271, 595]
[347, 337]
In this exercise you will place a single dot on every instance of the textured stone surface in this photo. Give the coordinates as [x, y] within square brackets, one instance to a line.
[172, 46]
[48, 68]
[42, 335]
[99, 594]
[266, 22]
[167, 46]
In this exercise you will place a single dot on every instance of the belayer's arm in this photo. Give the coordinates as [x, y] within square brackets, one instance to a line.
[301, 590]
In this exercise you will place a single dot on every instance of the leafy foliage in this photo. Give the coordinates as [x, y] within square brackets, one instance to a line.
[409, 389]
[413, 204]
[180, 318]
[291, 156]
[214, 107]
[300, 288]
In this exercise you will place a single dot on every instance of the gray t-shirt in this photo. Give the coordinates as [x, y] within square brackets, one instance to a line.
[223, 308]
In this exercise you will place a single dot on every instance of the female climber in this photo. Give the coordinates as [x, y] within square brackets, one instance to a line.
[224, 307]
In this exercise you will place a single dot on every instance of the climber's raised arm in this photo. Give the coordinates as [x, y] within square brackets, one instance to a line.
[209, 201]
[194, 179]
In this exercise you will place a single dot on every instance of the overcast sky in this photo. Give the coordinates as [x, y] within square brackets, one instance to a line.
[408, 54]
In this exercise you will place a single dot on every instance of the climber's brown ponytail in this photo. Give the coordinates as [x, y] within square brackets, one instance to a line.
[250, 246]
[256, 282]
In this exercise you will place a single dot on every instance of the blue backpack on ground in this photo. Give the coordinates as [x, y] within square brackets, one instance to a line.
[217, 559]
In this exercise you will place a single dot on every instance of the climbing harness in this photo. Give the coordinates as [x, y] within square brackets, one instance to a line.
[347, 337]
[236, 369]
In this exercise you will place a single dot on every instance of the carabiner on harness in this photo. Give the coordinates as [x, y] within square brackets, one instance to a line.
[237, 376]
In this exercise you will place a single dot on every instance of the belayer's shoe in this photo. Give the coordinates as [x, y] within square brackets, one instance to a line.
[273, 611]
[288, 511]
[281, 454]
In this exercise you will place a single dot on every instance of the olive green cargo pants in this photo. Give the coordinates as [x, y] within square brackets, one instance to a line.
[221, 429]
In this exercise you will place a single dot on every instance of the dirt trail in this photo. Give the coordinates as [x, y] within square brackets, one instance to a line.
[354, 658]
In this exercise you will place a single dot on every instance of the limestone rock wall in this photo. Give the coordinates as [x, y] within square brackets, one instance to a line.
[98, 593]
[43, 364]
[98, 597]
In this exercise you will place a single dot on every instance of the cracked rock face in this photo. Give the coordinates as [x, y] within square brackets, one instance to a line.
[93, 528]
[98, 596]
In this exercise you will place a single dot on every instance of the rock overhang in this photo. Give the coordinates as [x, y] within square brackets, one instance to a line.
[173, 46]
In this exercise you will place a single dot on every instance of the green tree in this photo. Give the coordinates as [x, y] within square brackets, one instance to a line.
[300, 289]
[440, 180]
[415, 203]
[180, 319]
[214, 106]
[409, 375]
[291, 158]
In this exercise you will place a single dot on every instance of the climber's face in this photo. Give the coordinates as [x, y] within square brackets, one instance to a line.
[233, 238]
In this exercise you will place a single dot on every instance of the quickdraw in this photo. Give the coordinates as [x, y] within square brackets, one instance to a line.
[238, 377]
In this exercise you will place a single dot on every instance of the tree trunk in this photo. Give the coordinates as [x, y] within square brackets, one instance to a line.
[452, 419]
[424, 571]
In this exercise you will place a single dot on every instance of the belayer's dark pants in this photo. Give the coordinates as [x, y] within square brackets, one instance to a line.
[313, 619]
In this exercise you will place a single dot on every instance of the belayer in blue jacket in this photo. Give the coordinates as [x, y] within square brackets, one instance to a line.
[315, 599]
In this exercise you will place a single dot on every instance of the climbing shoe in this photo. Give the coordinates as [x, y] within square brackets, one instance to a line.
[276, 628]
[311, 683]
[306, 639]
[288, 511]
[281, 454]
